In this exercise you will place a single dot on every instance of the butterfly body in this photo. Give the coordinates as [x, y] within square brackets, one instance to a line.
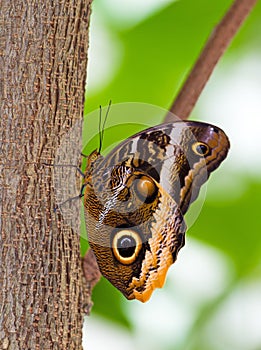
[135, 199]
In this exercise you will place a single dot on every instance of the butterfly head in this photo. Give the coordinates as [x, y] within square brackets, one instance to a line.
[92, 160]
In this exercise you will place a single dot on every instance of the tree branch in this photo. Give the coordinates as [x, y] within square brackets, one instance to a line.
[92, 276]
[209, 57]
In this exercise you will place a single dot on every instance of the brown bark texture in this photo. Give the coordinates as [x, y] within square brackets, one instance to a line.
[43, 58]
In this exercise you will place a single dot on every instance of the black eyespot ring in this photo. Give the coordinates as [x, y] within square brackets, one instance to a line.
[200, 148]
[126, 245]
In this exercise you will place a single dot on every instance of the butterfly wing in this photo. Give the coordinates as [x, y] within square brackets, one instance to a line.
[136, 197]
[179, 156]
[136, 232]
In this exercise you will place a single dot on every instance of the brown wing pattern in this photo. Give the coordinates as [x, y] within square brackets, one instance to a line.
[135, 199]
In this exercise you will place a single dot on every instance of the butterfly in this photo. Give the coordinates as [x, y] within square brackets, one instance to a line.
[135, 199]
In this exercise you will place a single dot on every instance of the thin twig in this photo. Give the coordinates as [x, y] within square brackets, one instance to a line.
[92, 276]
[214, 49]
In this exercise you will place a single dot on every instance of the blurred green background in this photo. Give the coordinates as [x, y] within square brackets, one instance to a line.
[140, 53]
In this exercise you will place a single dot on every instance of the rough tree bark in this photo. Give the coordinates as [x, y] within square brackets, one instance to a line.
[43, 57]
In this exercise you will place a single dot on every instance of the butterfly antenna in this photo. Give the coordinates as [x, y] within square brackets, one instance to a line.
[100, 131]
[105, 119]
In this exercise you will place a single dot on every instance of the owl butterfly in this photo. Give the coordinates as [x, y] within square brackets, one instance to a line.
[135, 199]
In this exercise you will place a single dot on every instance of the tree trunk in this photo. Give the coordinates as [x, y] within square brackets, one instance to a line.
[43, 57]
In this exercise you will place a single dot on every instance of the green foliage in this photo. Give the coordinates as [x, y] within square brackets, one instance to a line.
[109, 303]
[234, 227]
[160, 51]
[157, 55]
